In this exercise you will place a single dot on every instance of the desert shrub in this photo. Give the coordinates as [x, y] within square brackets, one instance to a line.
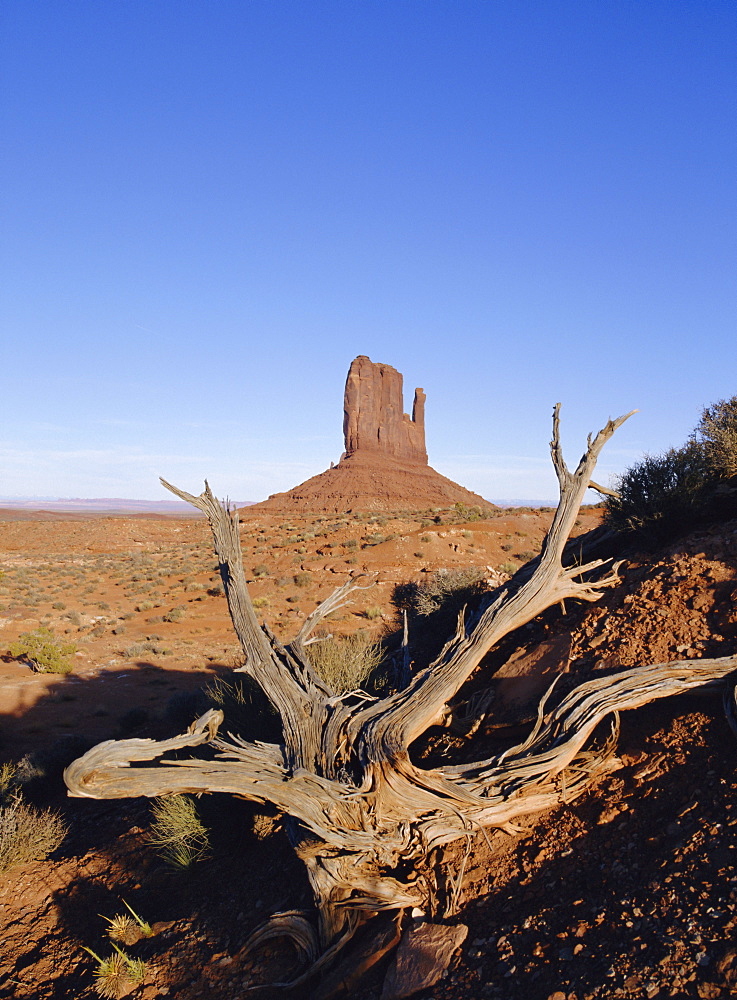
[28, 833]
[375, 539]
[717, 432]
[260, 602]
[444, 586]
[137, 649]
[247, 710]
[177, 832]
[346, 662]
[433, 606]
[302, 579]
[261, 570]
[665, 494]
[662, 493]
[509, 568]
[44, 651]
[373, 611]
[175, 615]
[466, 513]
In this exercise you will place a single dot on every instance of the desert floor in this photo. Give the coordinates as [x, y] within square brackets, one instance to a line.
[630, 891]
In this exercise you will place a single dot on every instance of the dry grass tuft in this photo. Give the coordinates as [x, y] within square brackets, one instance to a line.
[178, 832]
[347, 662]
[28, 834]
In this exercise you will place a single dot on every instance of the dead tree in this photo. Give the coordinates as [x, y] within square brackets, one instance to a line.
[362, 814]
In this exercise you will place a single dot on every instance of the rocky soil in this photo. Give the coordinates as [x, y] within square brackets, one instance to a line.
[631, 891]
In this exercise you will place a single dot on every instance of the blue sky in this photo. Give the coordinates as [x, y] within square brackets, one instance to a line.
[209, 208]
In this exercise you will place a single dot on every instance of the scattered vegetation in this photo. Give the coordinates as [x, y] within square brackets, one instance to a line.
[44, 651]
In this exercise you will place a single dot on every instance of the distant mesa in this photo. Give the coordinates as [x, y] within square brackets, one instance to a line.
[384, 464]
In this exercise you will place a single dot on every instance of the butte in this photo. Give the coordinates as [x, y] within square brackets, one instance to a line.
[384, 466]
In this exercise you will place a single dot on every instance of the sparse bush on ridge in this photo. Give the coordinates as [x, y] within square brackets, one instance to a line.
[663, 494]
[717, 431]
[661, 491]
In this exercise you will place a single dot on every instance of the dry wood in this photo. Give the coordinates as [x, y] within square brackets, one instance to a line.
[359, 808]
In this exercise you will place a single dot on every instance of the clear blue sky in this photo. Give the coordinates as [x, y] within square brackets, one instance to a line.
[211, 206]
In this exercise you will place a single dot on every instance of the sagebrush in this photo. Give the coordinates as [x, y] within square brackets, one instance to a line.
[27, 833]
[44, 651]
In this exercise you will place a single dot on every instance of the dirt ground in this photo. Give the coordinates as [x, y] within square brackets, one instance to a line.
[630, 891]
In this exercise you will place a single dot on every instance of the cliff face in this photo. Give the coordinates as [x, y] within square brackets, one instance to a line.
[374, 418]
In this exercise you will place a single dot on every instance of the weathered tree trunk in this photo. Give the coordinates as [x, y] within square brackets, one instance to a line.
[362, 813]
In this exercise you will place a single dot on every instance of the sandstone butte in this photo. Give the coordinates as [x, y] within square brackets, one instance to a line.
[384, 466]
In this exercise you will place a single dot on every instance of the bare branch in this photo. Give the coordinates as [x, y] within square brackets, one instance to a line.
[395, 723]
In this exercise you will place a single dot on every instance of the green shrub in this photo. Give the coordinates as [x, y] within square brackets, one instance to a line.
[347, 662]
[717, 431]
[668, 493]
[509, 568]
[44, 651]
[662, 493]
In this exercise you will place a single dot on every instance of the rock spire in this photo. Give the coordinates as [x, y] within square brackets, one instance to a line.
[374, 419]
[384, 465]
